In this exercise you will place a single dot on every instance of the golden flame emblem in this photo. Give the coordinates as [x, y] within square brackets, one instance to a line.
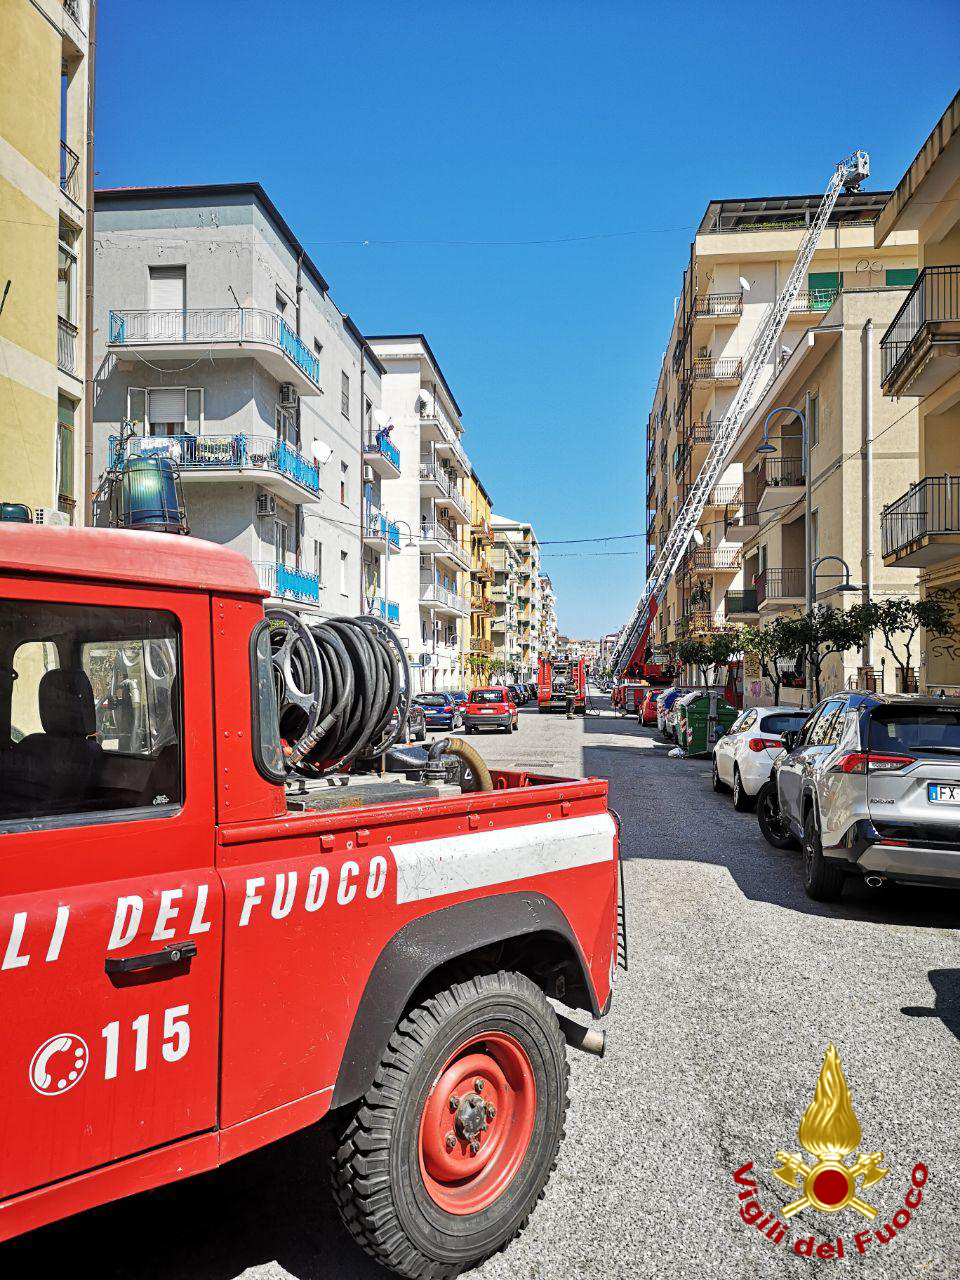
[829, 1130]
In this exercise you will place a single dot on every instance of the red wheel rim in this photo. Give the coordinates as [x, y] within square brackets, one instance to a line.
[487, 1082]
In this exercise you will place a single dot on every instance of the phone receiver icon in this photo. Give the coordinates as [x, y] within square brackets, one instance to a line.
[41, 1076]
[70, 1072]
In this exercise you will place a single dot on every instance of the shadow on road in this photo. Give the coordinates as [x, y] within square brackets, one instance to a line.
[946, 1000]
[273, 1205]
[670, 812]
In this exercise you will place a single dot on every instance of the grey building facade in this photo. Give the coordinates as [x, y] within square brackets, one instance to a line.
[218, 345]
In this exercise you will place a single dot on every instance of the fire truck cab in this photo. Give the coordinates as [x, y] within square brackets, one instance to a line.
[562, 683]
[195, 962]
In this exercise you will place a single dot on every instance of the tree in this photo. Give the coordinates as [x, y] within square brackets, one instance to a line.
[770, 645]
[820, 632]
[694, 651]
[898, 616]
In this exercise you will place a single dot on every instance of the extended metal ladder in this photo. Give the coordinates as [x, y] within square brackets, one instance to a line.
[848, 175]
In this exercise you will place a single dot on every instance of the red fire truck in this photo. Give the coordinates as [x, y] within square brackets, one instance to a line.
[559, 680]
[201, 953]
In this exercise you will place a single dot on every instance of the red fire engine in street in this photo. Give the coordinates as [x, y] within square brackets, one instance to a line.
[207, 942]
[560, 682]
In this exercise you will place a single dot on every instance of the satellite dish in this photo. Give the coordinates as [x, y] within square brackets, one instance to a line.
[321, 451]
[698, 537]
[744, 285]
[380, 417]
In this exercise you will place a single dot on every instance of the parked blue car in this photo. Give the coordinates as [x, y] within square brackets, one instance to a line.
[440, 710]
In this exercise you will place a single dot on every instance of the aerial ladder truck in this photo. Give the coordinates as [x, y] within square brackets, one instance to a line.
[631, 650]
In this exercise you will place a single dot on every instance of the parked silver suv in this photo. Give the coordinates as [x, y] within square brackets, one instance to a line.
[871, 786]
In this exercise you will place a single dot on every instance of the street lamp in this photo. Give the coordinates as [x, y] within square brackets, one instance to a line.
[411, 542]
[845, 585]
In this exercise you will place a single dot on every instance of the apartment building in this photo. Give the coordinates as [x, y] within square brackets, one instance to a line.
[218, 346]
[429, 511]
[739, 261]
[548, 616]
[920, 366]
[482, 606]
[504, 625]
[381, 461]
[520, 535]
[783, 544]
[46, 75]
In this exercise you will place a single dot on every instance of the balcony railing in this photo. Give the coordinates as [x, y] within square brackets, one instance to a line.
[386, 610]
[719, 559]
[725, 495]
[437, 533]
[66, 345]
[69, 171]
[77, 10]
[434, 593]
[814, 300]
[719, 304]
[929, 507]
[377, 527]
[209, 325]
[375, 444]
[484, 570]
[740, 602]
[724, 369]
[779, 473]
[930, 314]
[436, 475]
[481, 530]
[703, 432]
[447, 431]
[740, 515]
[780, 584]
[479, 644]
[282, 581]
[225, 453]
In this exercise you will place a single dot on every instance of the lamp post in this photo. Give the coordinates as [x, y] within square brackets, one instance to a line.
[411, 542]
[767, 447]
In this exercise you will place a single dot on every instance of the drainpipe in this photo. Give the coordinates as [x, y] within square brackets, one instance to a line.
[808, 529]
[88, 275]
[361, 505]
[867, 340]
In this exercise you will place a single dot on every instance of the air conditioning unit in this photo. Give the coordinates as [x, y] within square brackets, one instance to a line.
[50, 516]
[266, 504]
[288, 395]
[368, 474]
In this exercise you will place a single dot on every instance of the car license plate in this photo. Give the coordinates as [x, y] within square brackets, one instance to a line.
[943, 792]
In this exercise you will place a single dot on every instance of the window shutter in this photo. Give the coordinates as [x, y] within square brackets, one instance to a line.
[168, 288]
[166, 404]
[901, 276]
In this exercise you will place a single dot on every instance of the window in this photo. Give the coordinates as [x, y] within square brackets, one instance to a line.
[344, 472]
[66, 275]
[267, 751]
[66, 484]
[786, 722]
[826, 731]
[824, 287]
[815, 534]
[345, 395]
[281, 304]
[287, 430]
[813, 426]
[318, 561]
[902, 277]
[167, 292]
[95, 713]
[166, 411]
[317, 348]
[343, 573]
[368, 416]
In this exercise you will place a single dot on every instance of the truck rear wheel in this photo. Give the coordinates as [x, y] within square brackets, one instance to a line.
[444, 1158]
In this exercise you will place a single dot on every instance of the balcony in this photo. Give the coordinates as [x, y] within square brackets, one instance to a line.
[435, 538]
[707, 560]
[479, 644]
[480, 529]
[723, 369]
[783, 478]
[285, 583]
[741, 522]
[379, 531]
[70, 183]
[718, 306]
[67, 346]
[229, 333]
[724, 495]
[702, 432]
[442, 599]
[77, 11]
[741, 604]
[436, 483]
[921, 348]
[780, 586]
[437, 428]
[808, 300]
[382, 456]
[385, 610]
[923, 526]
[272, 464]
[483, 570]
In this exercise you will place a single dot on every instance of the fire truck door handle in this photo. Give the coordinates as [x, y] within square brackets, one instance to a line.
[173, 953]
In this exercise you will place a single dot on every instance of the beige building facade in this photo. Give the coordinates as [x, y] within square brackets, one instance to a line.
[920, 366]
[45, 103]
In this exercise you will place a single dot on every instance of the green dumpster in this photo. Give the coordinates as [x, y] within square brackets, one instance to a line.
[703, 717]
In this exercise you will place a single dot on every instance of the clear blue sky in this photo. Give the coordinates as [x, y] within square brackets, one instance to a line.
[424, 128]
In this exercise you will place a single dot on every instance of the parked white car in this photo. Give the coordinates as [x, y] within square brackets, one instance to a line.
[743, 756]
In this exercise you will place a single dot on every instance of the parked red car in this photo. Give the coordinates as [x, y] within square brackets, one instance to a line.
[647, 707]
[490, 709]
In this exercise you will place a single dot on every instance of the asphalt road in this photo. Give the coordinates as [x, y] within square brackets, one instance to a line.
[737, 983]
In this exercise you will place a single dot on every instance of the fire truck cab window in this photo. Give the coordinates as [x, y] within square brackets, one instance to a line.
[90, 710]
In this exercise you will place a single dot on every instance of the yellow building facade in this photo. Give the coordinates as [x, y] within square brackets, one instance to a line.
[482, 608]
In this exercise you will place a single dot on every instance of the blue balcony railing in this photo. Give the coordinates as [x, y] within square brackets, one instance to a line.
[378, 526]
[202, 326]
[225, 453]
[388, 610]
[284, 582]
[378, 444]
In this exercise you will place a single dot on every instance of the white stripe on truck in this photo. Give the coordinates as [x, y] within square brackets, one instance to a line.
[454, 864]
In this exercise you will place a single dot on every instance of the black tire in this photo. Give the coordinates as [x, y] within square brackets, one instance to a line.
[741, 801]
[378, 1185]
[821, 881]
[715, 780]
[515, 725]
[772, 826]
